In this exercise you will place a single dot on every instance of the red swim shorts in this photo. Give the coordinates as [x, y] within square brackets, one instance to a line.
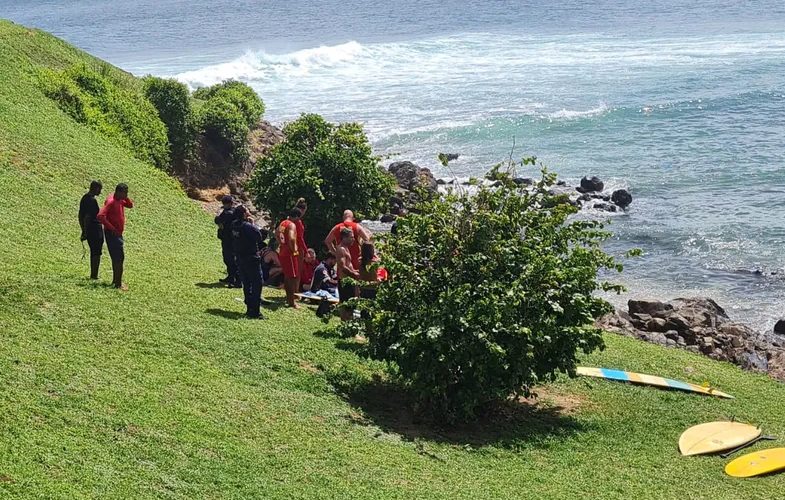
[290, 265]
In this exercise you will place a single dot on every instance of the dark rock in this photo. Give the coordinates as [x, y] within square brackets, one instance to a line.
[396, 200]
[779, 327]
[441, 182]
[410, 176]
[607, 207]
[678, 323]
[561, 183]
[700, 310]
[598, 196]
[656, 325]
[594, 183]
[450, 156]
[673, 334]
[388, 218]
[651, 307]
[523, 181]
[622, 198]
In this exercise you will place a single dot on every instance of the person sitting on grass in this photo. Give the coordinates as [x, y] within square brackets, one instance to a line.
[346, 270]
[271, 265]
[309, 265]
[324, 277]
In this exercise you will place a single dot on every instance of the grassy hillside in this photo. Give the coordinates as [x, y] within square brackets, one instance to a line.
[165, 391]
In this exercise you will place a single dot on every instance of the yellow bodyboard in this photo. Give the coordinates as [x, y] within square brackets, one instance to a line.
[758, 463]
[714, 437]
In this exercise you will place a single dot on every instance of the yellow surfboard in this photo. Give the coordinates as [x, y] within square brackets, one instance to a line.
[758, 463]
[714, 437]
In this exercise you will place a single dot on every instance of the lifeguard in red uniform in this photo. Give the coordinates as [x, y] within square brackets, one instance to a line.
[361, 235]
[289, 254]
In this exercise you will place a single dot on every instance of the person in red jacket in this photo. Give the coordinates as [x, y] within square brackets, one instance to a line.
[112, 216]
[289, 254]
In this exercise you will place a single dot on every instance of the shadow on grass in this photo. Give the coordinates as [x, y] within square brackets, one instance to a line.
[391, 407]
[225, 314]
[217, 284]
[511, 424]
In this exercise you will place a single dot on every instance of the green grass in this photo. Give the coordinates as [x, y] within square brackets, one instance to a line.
[163, 392]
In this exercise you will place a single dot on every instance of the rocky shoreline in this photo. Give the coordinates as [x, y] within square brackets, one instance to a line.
[701, 326]
[410, 177]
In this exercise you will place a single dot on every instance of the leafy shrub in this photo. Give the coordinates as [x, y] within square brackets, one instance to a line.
[229, 111]
[124, 116]
[242, 96]
[488, 295]
[173, 102]
[331, 166]
[224, 126]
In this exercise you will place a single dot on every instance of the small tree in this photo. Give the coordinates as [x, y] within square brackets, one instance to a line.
[229, 111]
[331, 166]
[173, 102]
[489, 295]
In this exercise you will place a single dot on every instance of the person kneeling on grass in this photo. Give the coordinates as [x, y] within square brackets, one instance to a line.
[289, 254]
[248, 243]
[324, 277]
[112, 216]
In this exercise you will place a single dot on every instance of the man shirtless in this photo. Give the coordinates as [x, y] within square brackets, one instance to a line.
[361, 235]
[346, 270]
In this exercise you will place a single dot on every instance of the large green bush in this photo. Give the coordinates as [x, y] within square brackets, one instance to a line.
[226, 114]
[173, 102]
[489, 295]
[331, 166]
[122, 114]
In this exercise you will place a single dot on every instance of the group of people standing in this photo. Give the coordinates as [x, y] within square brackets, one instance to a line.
[251, 261]
[105, 224]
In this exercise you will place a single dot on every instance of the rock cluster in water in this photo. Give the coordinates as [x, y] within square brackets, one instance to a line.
[700, 325]
[590, 194]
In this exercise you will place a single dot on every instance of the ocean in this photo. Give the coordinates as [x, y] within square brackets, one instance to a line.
[682, 103]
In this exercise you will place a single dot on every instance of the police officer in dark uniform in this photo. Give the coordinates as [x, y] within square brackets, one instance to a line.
[92, 230]
[224, 220]
[249, 240]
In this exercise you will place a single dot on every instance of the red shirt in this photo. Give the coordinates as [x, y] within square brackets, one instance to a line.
[112, 215]
[354, 249]
[308, 269]
[282, 234]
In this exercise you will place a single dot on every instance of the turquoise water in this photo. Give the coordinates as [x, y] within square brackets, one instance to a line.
[683, 105]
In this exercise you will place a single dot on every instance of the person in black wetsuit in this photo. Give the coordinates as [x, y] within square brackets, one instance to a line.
[92, 230]
[248, 243]
[224, 220]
